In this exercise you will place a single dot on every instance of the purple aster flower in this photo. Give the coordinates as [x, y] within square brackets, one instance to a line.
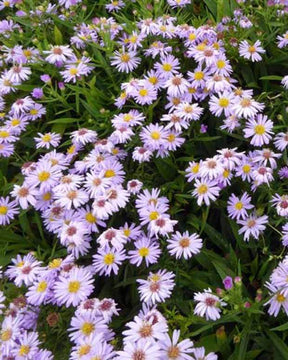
[228, 283]
[37, 93]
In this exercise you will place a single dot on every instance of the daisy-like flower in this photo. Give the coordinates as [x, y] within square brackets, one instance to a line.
[246, 107]
[285, 234]
[27, 346]
[188, 111]
[253, 226]
[168, 67]
[46, 176]
[281, 204]
[281, 141]
[260, 129]
[145, 249]
[251, 52]
[141, 349]
[154, 136]
[208, 305]
[125, 61]
[199, 354]
[185, 245]
[74, 287]
[282, 40]
[107, 260]
[172, 349]
[8, 210]
[211, 168]
[24, 195]
[144, 93]
[70, 197]
[176, 85]
[237, 208]
[18, 73]
[47, 140]
[115, 5]
[205, 190]
[157, 287]
[144, 329]
[222, 103]
[58, 54]
[284, 82]
[278, 301]
[24, 270]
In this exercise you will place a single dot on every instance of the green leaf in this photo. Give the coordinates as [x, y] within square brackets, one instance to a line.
[279, 344]
[63, 121]
[271, 77]
[58, 36]
[281, 327]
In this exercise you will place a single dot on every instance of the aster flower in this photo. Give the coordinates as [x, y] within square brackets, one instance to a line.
[282, 40]
[145, 249]
[8, 210]
[247, 107]
[47, 140]
[253, 226]
[185, 245]
[205, 190]
[144, 329]
[172, 349]
[199, 354]
[125, 61]
[157, 287]
[237, 207]
[208, 305]
[24, 195]
[107, 260]
[260, 129]
[251, 52]
[73, 288]
[139, 350]
[281, 141]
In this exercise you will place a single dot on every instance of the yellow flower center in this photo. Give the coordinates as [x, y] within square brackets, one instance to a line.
[15, 122]
[20, 264]
[73, 286]
[6, 335]
[259, 129]
[73, 71]
[127, 232]
[167, 67]
[3, 210]
[109, 173]
[201, 47]
[84, 350]
[24, 350]
[87, 328]
[4, 134]
[155, 135]
[71, 149]
[33, 111]
[143, 92]
[226, 173]
[127, 117]
[55, 263]
[173, 352]
[239, 205]
[280, 298]
[192, 37]
[153, 215]
[202, 189]
[171, 137]
[43, 176]
[223, 102]
[153, 80]
[221, 64]
[47, 196]
[154, 277]
[143, 251]
[109, 259]
[125, 58]
[199, 75]
[252, 49]
[46, 138]
[27, 53]
[90, 218]
[195, 168]
[246, 168]
[42, 286]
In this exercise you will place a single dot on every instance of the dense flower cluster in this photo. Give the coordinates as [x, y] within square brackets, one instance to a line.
[104, 219]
